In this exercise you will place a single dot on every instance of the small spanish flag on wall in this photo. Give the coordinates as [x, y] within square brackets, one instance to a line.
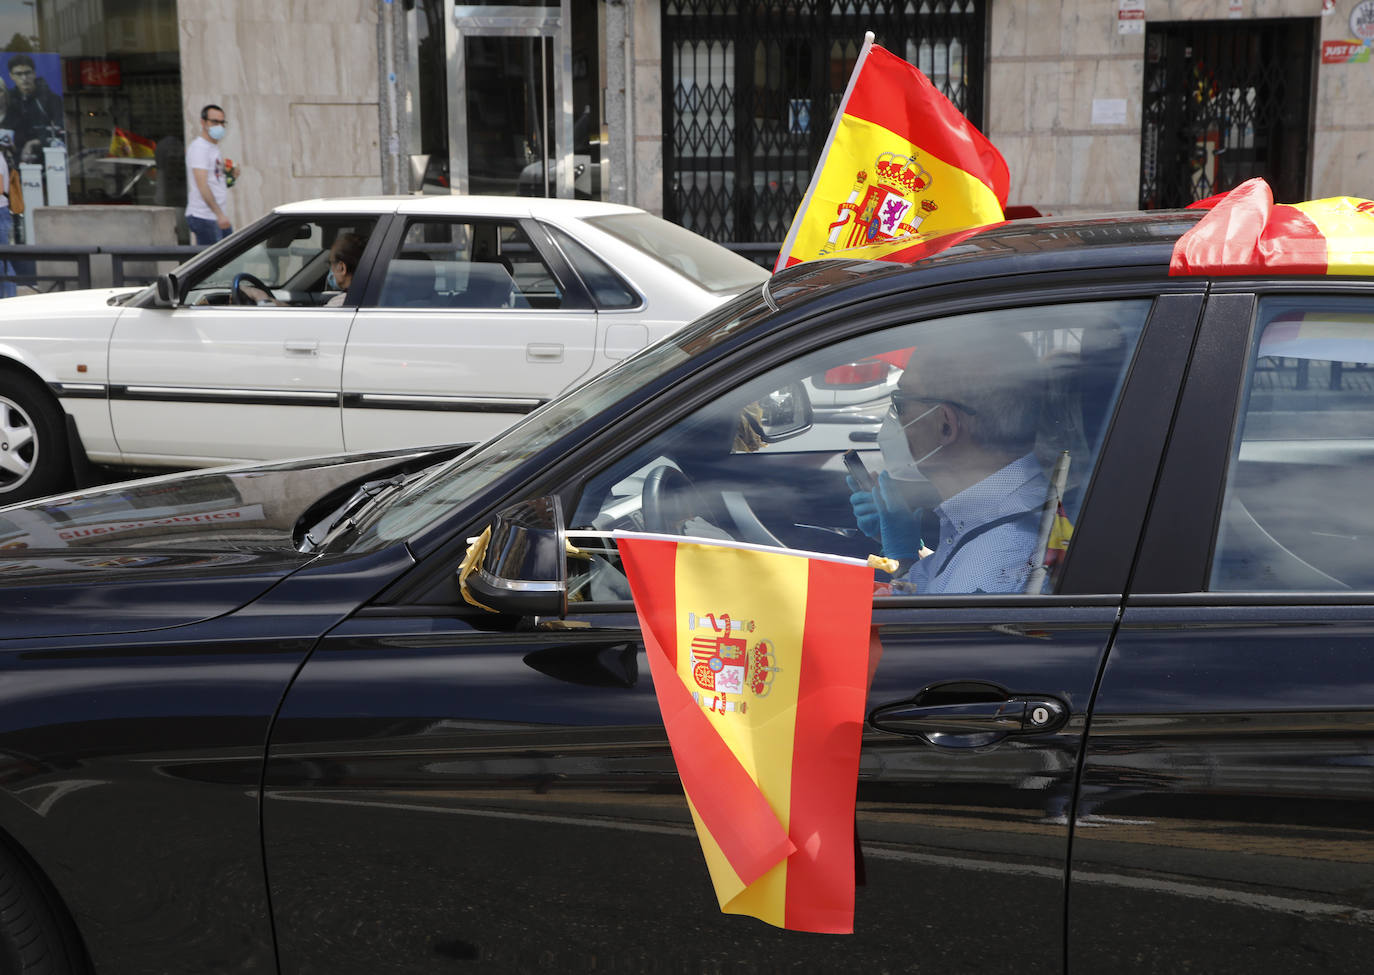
[760, 661]
[1246, 232]
[900, 160]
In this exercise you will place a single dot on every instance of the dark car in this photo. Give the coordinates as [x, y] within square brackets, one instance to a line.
[251, 723]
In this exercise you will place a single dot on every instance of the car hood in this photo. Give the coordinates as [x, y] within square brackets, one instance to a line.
[169, 550]
[27, 308]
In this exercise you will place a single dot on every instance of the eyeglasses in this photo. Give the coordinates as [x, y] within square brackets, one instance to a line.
[218, 121]
[901, 403]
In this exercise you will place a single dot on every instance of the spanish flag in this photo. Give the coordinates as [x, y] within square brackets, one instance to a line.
[128, 145]
[1246, 232]
[900, 160]
[760, 661]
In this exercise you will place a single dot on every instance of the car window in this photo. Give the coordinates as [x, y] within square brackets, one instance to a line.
[1296, 514]
[608, 290]
[980, 433]
[290, 257]
[487, 264]
[706, 263]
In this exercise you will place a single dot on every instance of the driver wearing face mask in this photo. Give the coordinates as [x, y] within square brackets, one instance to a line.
[964, 417]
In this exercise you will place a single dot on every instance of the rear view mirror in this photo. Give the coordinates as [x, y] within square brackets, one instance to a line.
[522, 567]
[168, 290]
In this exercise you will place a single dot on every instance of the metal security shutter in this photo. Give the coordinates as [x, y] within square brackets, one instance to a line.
[750, 92]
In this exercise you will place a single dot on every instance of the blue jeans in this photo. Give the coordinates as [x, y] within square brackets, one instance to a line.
[205, 230]
[7, 287]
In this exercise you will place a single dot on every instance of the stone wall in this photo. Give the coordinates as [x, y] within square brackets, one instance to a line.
[1050, 61]
[298, 80]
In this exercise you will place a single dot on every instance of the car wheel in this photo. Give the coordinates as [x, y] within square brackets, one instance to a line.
[33, 441]
[34, 940]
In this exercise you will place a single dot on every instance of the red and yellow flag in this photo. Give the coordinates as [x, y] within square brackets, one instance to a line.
[128, 145]
[1246, 232]
[760, 660]
[900, 160]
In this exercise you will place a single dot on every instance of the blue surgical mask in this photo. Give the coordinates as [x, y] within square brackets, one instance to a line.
[331, 283]
[217, 132]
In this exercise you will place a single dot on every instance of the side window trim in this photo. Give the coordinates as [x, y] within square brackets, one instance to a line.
[1177, 547]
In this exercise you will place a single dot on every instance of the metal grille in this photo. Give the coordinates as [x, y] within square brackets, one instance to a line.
[1225, 102]
[752, 89]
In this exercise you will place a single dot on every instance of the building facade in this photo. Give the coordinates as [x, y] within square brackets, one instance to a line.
[711, 112]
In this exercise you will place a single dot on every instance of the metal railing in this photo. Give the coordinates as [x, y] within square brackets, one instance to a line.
[74, 266]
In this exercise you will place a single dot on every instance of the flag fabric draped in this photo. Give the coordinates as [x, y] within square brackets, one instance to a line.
[760, 661]
[129, 145]
[900, 160]
[1246, 232]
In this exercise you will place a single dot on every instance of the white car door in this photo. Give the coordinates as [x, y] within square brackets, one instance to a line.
[217, 383]
[214, 381]
[465, 330]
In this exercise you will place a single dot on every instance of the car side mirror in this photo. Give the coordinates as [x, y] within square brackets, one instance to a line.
[168, 290]
[782, 414]
[523, 567]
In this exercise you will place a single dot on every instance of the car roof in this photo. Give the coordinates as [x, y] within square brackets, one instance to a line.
[444, 204]
[1016, 247]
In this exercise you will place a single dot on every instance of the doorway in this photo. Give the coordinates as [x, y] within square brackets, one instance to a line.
[1224, 102]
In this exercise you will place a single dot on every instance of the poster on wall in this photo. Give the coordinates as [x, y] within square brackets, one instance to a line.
[31, 115]
[1357, 48]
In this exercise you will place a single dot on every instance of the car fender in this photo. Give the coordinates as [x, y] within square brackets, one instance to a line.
[17, 356]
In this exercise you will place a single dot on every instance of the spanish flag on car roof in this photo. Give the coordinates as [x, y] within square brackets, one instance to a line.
[1246, 232]
[900, 160]
[760, 660]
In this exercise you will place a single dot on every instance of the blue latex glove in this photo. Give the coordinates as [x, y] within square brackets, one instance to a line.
[865, 507]
[882, 514]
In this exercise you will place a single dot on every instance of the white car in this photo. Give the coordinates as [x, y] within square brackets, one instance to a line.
[464, 313]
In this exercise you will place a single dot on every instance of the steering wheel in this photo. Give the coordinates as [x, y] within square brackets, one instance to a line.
[236, 294]
[669, 499]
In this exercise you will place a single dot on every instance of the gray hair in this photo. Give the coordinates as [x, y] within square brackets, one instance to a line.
[991, 371]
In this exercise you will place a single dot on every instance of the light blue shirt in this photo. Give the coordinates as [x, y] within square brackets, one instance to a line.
[1000, 559]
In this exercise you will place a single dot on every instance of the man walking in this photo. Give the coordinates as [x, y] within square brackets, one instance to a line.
[207, 190]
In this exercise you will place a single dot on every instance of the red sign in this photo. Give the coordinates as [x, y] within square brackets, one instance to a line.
[100, 73]
[1343, 52]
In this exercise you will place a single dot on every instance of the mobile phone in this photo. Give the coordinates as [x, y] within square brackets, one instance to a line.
[857, 470]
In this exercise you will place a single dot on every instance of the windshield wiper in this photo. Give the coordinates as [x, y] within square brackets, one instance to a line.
[344, 518]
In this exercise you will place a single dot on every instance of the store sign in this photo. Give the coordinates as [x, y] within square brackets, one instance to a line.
[1356, 48]
[100, 73]
[1130, 16]
[1344, 52]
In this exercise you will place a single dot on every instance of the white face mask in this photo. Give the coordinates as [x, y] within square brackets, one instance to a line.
[901, 466]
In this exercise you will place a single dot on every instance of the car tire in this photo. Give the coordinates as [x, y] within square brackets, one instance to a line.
[34, 938]
[33, 440]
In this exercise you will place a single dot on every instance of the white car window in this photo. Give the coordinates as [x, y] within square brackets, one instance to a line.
[291, 258]
[484, 264]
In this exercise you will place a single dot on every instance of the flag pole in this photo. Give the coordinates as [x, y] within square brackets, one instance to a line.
[722, 542]
[791, 239]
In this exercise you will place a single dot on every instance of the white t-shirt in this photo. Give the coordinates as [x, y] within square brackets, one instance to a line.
[204, 154]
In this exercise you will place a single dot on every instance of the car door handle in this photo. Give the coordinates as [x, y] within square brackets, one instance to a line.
[1009, 716]
[552, 353]
[302, 346]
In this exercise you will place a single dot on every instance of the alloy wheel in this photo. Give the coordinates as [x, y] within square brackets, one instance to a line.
[18, 445]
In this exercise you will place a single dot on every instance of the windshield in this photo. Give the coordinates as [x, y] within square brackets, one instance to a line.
[708, 264]
[436, 493]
